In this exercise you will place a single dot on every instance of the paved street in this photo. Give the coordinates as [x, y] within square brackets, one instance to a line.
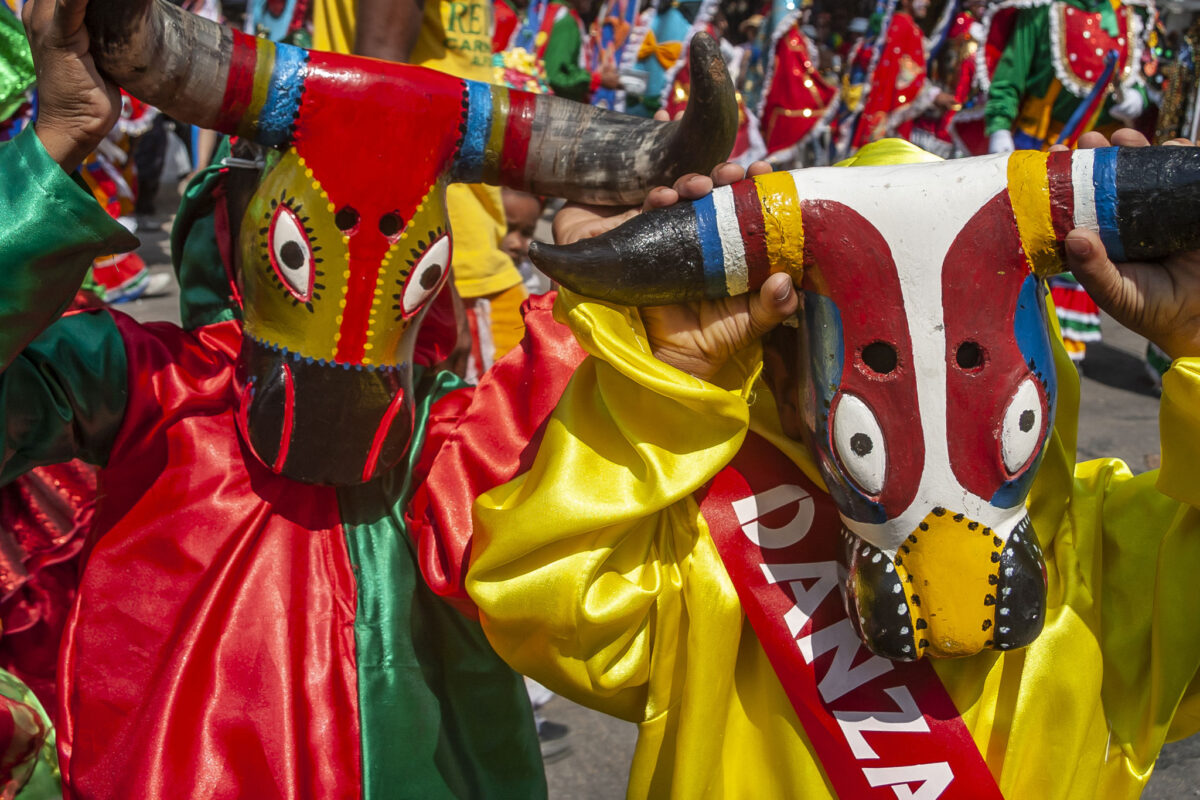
[1118, 418]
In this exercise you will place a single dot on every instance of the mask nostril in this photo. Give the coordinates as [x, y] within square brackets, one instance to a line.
[880, 357]
[390, 224]
[345, 219]
[969, 356]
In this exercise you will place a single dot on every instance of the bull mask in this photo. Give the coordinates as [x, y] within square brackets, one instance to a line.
[346, 238]
[926, 374]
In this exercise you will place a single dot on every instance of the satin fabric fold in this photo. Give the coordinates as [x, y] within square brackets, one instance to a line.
[595, 574]
[211, 650]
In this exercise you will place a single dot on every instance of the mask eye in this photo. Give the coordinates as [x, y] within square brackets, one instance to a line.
[291, 253]
[426, 277]
[1022, 429]
[858, 440]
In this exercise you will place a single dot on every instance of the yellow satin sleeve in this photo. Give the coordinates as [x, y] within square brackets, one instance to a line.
[594, 573]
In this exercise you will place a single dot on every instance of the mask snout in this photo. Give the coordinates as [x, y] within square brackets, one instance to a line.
[322, 422]
[953, 588]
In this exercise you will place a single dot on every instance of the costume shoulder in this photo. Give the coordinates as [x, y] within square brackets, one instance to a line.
[479, 439]
[52, 231]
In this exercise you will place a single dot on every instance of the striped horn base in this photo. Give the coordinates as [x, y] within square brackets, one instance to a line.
[552, 146]
[1143, 202]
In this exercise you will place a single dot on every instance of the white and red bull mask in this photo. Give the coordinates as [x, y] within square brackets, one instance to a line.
[923, 359]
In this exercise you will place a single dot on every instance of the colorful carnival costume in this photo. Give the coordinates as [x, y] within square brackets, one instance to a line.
[549, 36]
[884, 80]
[796, 101]
[656, 49]
[959, 130]
[1053, 64]
[1063, 66]
[690, 582]
[252, 621]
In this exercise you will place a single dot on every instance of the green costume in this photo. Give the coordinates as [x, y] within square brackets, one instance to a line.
[1052, 60]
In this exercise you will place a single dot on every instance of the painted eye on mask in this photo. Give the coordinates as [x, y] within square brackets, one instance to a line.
[858, 440]
[1022, 428]
[426, 277]
[291, 253]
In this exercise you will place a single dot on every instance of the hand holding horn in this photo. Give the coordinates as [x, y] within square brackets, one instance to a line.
[77, 107]
[1159, 300]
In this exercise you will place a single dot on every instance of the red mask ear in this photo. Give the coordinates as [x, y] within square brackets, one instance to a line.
[988, 373]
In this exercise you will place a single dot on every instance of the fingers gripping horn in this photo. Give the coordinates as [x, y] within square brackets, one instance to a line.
[1144, 202]
[554, 146]
[722, 245]
[198, 71]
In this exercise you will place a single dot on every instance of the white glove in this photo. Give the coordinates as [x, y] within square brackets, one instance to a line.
[1130, 108]
[1001, 142]
[633, 82]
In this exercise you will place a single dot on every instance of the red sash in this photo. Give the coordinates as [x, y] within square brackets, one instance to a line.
[881, 729]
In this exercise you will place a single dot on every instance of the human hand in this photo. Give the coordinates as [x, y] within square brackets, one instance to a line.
[698, 337]
[610, 76]
[77, 107]
[1159, 300]
[946, 102]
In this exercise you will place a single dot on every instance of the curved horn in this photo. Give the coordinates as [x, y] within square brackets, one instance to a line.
[553, 146]
[196, 70]
[721, 245]
[1144, 202]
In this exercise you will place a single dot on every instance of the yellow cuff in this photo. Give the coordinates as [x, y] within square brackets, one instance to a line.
[1179, 431]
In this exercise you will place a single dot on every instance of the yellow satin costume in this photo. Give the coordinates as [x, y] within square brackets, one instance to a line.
[595, 574]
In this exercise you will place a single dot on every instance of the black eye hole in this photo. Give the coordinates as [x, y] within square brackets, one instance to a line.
[390, 224]
[880, 357]
[969, 356]
[346, 219]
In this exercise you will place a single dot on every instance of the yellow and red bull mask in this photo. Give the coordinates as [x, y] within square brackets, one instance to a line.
[923, 359]
[346, 238]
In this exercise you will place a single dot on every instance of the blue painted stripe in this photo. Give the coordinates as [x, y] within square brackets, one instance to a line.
[283, 95]
[469, 165]
[710, 247]
[1104, 179]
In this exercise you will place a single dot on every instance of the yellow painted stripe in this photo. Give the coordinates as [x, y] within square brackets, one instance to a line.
[782, 225]
[264, 66]
[1029, 192]
[495, 143]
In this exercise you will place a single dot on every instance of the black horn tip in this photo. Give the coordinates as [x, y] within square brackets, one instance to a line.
[711, 117]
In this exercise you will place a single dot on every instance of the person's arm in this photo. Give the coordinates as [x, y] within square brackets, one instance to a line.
[563, 72]
[1010, 80]
[1137, 538]
[52, 231]
[62, 385]
[388, 29]
[578, 552]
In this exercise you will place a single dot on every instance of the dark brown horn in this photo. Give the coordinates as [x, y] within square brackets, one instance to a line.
[1143, 201]
[706, 249]
[553, 146]
[163, 55]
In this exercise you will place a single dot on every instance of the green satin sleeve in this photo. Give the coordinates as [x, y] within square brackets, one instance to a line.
[563, 73]
[64, 395]
[1024, 69]
[50, 231]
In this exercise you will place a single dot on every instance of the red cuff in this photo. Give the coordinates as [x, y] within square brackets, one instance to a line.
[594, 84]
